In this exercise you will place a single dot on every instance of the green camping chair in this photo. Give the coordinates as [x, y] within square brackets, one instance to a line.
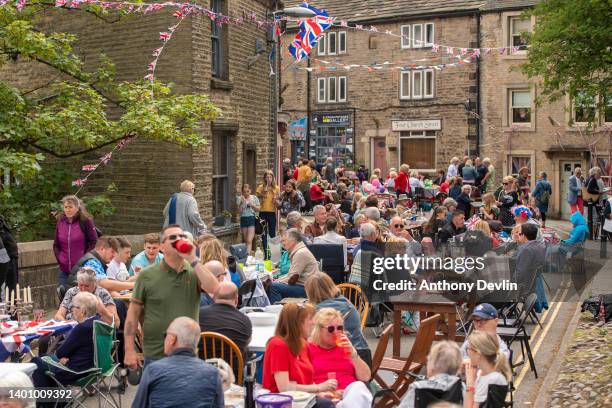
[98, 379]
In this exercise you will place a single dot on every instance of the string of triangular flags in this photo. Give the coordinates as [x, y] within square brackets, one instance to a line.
[103, 161]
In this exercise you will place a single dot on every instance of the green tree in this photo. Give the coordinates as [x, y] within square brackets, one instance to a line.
[570, 50]
[78, 111]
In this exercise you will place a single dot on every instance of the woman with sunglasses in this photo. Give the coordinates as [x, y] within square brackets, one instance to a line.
[507, 197]
[333, 356]
[286, 360]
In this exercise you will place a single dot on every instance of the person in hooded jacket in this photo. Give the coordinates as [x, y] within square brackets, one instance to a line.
[8, 269]
[579, 232]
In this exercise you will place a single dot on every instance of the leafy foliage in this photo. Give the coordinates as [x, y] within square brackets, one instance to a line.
[570, 50]
[79, 110]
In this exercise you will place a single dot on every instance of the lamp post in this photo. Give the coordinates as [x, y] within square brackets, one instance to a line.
[295, 12]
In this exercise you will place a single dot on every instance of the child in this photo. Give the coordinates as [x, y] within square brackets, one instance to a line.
[116, 268]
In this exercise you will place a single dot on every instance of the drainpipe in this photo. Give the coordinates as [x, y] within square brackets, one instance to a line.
[308, 86]
[478, 93]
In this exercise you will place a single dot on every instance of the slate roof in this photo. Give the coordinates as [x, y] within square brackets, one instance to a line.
[493, 5]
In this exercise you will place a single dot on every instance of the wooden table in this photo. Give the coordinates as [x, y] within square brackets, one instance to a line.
[127, 297]
[422, 302]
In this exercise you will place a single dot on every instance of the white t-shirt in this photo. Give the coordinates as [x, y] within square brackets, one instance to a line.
[117, 271]
[483, 382]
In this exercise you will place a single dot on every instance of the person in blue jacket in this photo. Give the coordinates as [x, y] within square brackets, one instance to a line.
[579, 233]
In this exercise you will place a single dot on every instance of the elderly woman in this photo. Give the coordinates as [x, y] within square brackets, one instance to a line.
[443, 363]
[333, 356]
[323, 293]
[451, 206]
[77, 351]
[86, 282]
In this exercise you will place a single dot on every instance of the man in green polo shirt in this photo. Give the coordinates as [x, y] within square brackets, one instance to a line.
[162, 293]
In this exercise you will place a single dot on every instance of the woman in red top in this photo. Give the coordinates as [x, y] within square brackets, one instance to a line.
[286, 357]
[401, 181]
[333, 356]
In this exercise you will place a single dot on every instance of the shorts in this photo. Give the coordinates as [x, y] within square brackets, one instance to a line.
[246, 222]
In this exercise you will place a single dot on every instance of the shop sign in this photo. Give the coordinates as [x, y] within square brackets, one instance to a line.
[342, 119]
[408, 125]
[297, 129]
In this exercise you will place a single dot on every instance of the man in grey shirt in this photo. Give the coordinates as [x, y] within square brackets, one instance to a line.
[181, 379]
[528, 260]
[182, 209]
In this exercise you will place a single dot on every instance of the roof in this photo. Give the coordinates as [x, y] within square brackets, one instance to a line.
[497, 5]
[373, 10]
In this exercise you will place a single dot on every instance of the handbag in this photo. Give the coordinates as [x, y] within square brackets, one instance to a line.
[260, 225]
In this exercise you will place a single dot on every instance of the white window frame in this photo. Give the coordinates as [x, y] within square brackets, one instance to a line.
[321, 44]
[321, 86]
[511, 33]
[341, 42]
[582, 124]
[423, 135]
[405, 42]
[511, 107]
[414, 88]
[332, 38]
[332, 89]
[340, 81]
[433, 35]
[433, 83]
[405, 74]
[417, 42]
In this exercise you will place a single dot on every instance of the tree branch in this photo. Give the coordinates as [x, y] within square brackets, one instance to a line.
[51, 5]
[67, 155]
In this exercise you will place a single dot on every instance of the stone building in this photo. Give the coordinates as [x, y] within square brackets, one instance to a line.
[235, 76]
[379, 118]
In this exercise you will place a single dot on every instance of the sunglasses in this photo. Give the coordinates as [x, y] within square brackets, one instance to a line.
[331, 329]
[175, 237]
[400, 226]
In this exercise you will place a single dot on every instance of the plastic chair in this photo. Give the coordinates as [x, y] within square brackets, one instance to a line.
[216, 345]
[98, 378]
[356, 296]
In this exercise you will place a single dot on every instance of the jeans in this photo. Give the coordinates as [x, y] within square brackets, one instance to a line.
[270, 218]
[62, 279]
[279, 291]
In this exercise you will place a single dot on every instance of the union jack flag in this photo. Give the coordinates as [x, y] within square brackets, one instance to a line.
[309, 33]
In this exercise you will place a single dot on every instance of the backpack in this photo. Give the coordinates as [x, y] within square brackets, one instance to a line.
[82, 224]
[545, 195]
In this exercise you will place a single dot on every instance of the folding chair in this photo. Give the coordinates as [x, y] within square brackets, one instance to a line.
[331, 257]
[240, 252]
[216, 345]
[496, 396]
[98, 378]
[518, 332]
[355, 295]
[404, 369]
[247, 288]
[423, 397]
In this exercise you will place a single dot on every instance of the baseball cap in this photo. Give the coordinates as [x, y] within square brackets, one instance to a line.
[485, 311]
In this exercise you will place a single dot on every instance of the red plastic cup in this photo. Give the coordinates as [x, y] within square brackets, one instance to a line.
[182, 246]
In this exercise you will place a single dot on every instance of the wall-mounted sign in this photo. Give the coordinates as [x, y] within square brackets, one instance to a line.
[332, 119]
[297, 129]
[408, 125]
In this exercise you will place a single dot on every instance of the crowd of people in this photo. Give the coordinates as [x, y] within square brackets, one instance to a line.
[176, 294]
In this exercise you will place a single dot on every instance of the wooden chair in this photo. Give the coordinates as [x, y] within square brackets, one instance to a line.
[402, 367]
[216, 345]
[355, 295]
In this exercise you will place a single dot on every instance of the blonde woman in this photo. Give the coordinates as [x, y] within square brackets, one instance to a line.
[401, 180]
[331, 351]
[268, 193]
[487, 366]
[507, 197]
[484, 227]
[489, 210]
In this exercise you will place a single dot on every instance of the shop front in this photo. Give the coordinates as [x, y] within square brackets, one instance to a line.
[333, 137]
[417, 143]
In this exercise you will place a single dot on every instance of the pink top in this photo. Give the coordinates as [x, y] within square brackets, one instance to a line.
[334, 360]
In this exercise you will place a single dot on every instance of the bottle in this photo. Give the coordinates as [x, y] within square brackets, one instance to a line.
[259, 260]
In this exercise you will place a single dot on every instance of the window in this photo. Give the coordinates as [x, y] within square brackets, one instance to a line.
[428, 91]
[218, 38]
[518, 26]
[520, 105]
[405, 36]
[608, 109]
[342, 42]
[331, 43]
[517, 163]
[331, 89]
[429, 35]
[584, 109]
[321, 94]
[417, 84]
[405, 85]
[321, 45]
[417, 35]
[342, 89]
[418, 149]
[222, 168]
